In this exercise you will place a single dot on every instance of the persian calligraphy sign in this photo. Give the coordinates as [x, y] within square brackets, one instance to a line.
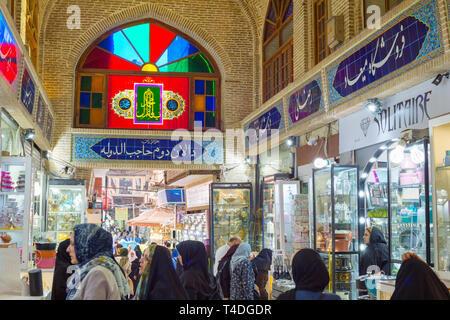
[263, 125]
[306, 101]
[88, 148]
[408, 40]
[148, 103]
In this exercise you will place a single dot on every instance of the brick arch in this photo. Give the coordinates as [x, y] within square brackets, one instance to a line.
[151, 11]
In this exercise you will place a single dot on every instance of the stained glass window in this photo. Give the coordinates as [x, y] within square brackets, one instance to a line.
[148, 55]
[147, 47]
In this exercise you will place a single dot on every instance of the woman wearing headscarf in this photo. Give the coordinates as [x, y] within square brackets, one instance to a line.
[134, 258]
[159, 280]
[242, 283]
[61, 274]
[261, 266]
[417, 281]
[224, 271]
[376, 252]
[310, 276]
[197, 280]
[98, 276]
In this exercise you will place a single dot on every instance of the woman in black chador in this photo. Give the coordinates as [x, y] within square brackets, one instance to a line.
[417, 281]
[376, 253]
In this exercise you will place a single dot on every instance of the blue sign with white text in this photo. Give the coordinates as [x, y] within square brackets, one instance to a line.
[411, 40]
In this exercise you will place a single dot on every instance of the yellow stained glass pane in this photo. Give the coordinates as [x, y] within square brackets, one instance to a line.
[97, 84]
[96, 117]
[199, 103]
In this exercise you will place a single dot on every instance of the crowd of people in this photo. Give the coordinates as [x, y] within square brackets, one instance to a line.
[101, 270]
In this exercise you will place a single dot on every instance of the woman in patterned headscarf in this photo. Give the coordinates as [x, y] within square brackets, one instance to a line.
[242, 282]
[98, 276]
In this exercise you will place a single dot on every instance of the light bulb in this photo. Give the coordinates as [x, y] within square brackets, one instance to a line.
[362, 220]
[321, 163]
[361, 194]
[364, 175]
[362, 247]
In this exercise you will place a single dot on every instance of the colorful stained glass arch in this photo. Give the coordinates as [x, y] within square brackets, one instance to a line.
[147, 47]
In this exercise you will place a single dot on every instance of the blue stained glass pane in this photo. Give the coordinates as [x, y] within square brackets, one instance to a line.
[139, 37]
[119, 45]
[200, 116]
[199, 86]
[179, 48]
[85, 99]
[210, 103]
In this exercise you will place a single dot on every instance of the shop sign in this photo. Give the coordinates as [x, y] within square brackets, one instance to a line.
[305, 102]
[40, 113]
[121, 214]
[87, 148]
[404, 43]
[49, 127]
[410, 109]
[265, 123]
[9, 54]
[28, 91]
[198, 196]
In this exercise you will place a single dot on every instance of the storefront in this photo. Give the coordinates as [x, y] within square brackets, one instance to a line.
[26, 122]
[392, 150]
[194, 222]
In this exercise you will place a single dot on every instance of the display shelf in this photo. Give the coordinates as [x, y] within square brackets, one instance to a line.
[12, 193]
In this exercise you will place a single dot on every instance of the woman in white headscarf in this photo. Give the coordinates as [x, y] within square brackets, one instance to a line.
[242, 283]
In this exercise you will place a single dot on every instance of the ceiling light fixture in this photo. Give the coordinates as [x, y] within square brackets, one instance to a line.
[373, 105]
[29, 134]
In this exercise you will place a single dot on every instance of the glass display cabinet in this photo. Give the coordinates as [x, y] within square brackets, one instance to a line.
[335, 223]
[439, 129]
[195, 226]
[67, 206]
[15, 206]
[230, 209]
[410, 199]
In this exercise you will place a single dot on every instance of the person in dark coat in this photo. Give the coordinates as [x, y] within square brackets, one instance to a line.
[310, 276]
[134, 275]
[224, 272]
[417, 281]
[159, 280]
[261, 266]
[376, 253]
[197, 280]
[61, 274]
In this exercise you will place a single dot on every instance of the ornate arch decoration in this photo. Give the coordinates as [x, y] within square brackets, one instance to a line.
[146, 75]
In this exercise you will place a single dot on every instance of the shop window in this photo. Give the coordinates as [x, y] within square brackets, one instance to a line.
[11, 138]
[278, 47]
[141, 77]
[32, 16]
[320, 20]
[384, 5]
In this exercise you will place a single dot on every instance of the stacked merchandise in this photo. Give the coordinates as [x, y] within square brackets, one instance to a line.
[20, 185]
[300, 222]
[7, 184]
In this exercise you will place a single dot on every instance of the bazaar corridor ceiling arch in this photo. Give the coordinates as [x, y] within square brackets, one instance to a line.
[146, 76]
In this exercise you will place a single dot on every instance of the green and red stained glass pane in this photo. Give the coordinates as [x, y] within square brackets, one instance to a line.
[210, 119]
[91, 100]
[147, 47]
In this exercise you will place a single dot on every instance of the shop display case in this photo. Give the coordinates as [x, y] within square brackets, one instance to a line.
[15, 206]
[230, 213]
[410, 200]
[397, 195]
[67, 206]
[439, 129]
[195, 226]
[281, 215]
[335, 223]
